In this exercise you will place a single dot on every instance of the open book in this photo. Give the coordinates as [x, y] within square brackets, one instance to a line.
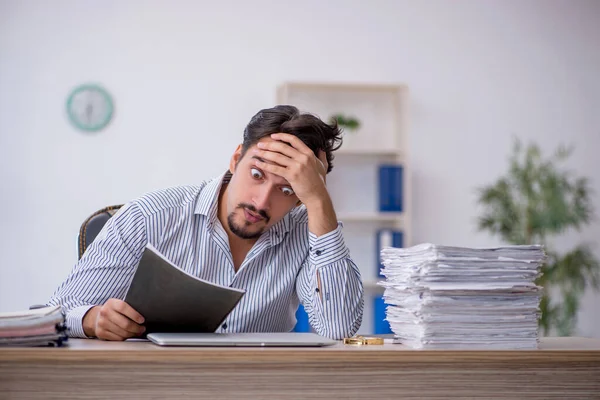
[171, 300]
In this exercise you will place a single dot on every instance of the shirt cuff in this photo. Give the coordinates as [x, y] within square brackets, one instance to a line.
[333, 280]
[328, 248]
[74, 321]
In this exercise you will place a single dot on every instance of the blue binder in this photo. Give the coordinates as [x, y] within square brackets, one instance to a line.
[302, 324]
[390, 188]
[381, 326]
[386, 238]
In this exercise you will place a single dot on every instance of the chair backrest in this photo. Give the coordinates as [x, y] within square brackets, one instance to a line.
[92, 226]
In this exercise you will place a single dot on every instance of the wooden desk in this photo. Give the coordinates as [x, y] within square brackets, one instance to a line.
[563, 368]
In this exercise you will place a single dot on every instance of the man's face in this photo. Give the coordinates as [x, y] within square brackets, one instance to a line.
[256, 200]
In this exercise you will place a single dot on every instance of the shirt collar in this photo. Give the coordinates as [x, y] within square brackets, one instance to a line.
[208, 199]
[279, 230]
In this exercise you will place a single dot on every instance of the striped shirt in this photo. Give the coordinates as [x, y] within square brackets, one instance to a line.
[278, 273]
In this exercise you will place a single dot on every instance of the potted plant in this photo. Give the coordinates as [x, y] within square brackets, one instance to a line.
[531, 204]
[348, 123]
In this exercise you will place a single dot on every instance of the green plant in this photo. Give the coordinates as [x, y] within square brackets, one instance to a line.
[349, 122]
[533, 202]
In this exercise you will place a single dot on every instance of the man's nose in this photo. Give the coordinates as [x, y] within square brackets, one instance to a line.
[262, 197]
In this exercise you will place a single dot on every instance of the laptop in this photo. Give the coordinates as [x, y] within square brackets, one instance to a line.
[272, 339]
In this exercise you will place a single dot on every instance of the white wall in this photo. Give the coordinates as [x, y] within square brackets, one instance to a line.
[187, 76]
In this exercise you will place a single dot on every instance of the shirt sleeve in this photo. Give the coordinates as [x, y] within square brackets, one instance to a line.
[335, 310]
[106, 269]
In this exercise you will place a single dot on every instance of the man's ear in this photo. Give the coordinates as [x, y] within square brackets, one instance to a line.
[235, 158]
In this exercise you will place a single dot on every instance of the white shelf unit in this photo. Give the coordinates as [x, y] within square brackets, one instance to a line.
[382, 138]
[371, 216]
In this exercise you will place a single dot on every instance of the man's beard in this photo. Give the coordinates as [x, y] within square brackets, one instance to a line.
[241, 231]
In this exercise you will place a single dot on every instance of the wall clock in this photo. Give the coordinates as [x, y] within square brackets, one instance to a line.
[89, 107]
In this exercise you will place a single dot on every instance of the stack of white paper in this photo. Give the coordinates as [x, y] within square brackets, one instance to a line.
[39, 327]
[442, 297]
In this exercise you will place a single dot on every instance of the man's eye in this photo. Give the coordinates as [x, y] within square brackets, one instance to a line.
[287, 191]
[256, 174]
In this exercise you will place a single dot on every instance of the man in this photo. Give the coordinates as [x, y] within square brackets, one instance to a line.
[267, 226]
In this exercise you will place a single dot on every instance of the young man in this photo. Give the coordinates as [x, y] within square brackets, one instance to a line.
[267, 225]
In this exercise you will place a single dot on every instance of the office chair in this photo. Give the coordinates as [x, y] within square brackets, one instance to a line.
[92, 226]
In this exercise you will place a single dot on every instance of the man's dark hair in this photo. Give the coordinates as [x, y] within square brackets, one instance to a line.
[316, 134]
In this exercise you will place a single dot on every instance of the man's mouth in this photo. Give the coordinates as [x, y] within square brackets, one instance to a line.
[251, 217]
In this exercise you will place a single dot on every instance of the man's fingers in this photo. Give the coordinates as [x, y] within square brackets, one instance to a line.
[323, 158]
[272, 168]
[123, 308]
[274, 157]
[279, 147]
[282, 145]
[125, 324]
[108, 335]
[324, 164]
[112, 327]
[107, 330]
[294, 141]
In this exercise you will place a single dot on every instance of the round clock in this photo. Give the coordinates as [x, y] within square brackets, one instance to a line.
[90, 107]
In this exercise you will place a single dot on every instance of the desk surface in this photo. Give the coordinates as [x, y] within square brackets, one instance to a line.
[562, 368]
[556, 349]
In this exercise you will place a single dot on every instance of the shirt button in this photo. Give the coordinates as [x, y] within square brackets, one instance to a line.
[318, 252]
[224, 326]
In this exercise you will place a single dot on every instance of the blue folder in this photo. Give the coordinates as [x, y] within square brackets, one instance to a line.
[381, 326]
[390, 188]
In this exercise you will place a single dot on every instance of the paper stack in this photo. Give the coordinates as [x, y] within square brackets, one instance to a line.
[442, 297]
[39, 327]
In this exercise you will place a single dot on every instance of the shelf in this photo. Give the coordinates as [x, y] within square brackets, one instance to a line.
[370, 152]
[370, 217]
[380, 108]
[372, 285]
[354, 184]
[344, 86]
